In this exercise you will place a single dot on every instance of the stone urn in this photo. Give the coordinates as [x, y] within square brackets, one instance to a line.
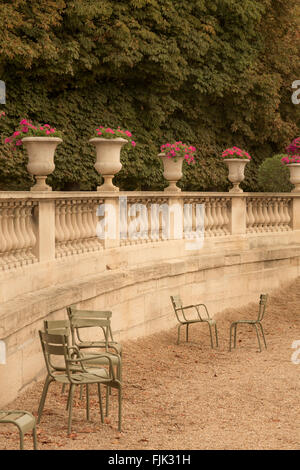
[108, 164]
[172, 171]
[294, 176]
[40, 151]
[236, 167]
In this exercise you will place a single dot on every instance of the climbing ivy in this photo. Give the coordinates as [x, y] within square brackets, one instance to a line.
[213, 73]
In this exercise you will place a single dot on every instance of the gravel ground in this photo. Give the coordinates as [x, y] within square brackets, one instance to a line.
[189, 396]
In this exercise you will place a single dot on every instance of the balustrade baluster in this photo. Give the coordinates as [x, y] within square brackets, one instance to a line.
[265, 211]
[251, 219]
[277, 216]
[220, 216]
[287, 217]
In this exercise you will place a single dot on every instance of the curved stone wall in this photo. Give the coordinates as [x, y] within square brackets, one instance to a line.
[135, 282]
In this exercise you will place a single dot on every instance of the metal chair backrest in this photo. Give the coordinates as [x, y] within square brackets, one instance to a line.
[177, 305]
[60, 327]
[81, 319]
[262, 306]
[54, 345]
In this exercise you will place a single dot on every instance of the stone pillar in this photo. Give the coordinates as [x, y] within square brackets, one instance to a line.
[238, 215]
[295, 213]
[108, 227]
[176, 218]
[44, 224]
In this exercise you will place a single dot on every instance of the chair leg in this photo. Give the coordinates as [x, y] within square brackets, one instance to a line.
[216, 333]
[100, 402]
[108, 392]
[235, 332]
[21, 439]
[257, 334]
[87, 403]
[68, 399]
[43, 397]
[120, 408]
[262, 332]
[34, 438]
[178, 334]
[70, 407]
[230, 336]
[211, 338]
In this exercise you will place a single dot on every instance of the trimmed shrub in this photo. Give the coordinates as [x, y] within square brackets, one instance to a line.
[274, 176]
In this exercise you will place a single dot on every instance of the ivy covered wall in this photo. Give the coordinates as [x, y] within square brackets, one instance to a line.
[213, 73]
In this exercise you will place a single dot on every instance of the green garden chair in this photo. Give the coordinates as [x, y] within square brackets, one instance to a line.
[24, 421]
[255, 323]
[77, 372]
[64, 327]
[80, 321]
[179, 310]
[79, 318]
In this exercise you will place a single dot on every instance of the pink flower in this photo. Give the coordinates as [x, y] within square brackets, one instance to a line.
[133, 143]
[52, 130]
[24, 121]
[19, 142]
[48, 132]
[47, 125]
[7, 140]
[24, 130]
[128, 133]
[16, 133]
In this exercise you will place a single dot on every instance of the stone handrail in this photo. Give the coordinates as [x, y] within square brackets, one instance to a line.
[41, 226]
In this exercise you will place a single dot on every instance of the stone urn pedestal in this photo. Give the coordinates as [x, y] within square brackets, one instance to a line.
[108, 164]
[40, 151]
[172, 172]
[294, 169]
[236, 174]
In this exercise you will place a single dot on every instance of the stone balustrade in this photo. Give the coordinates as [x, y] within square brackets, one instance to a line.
[41, 226]
[17, 234]
[128, 252]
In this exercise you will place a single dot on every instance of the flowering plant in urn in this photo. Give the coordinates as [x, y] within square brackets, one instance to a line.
[27, 129]
[236, 152]
[236, 160]
[40, 142]
[292, 160]
[179, 149]
[173, 156]
[108, 143]
[108, 133]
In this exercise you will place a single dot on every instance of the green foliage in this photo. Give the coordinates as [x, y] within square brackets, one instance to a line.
[213, 73]
[274, 176]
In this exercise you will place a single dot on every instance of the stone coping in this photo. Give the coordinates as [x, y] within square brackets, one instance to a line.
[35, 306]
[54, 195]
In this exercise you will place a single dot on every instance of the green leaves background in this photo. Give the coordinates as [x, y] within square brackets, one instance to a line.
[213, 73]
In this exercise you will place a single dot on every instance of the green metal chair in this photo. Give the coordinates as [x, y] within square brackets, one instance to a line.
[65, 326]
[77, 372]
[108, 342]
[80, 320]
[179, 310]
[255, 323]
[24, 421]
